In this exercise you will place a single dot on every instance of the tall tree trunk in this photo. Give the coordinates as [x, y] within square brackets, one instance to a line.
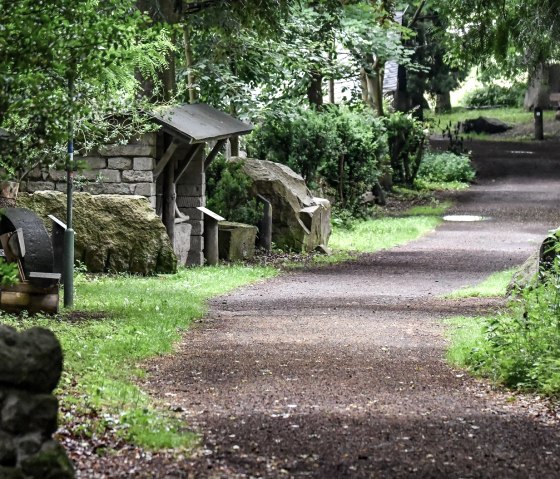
[315, 89]
[193, 94]
[443, 102]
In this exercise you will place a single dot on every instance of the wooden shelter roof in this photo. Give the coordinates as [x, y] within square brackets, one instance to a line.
[199, 123]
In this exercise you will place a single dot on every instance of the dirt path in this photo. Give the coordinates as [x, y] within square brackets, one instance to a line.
[338, 371]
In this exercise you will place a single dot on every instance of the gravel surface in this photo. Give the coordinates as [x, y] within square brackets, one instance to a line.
[339, 371]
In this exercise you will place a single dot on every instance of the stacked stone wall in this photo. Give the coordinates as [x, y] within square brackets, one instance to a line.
[114, 169]
[30, 368]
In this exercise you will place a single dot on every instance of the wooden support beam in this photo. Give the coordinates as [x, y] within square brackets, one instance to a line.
[219, 145]
[158, 170]
[195, 150]
[169, 200]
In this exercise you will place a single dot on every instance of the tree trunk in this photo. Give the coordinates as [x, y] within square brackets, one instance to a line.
[193, 94]
[315, 89]
[443, 102]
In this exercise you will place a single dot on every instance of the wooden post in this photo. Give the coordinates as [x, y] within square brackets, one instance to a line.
[265, 225]
[211, 247]
[169, 200]
[539, 127]
[57, 239]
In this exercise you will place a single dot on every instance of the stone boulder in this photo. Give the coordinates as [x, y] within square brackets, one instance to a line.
[541, 261]
[300, 222]
[114, 233]
[236, 241]
[30, 367]
[483, 124]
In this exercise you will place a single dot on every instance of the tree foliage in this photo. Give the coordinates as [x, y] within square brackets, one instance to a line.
[62, 60]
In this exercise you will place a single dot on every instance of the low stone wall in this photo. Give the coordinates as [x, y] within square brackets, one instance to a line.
[113, 170]
[30, 368]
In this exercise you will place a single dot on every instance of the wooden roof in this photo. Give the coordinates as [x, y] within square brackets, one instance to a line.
[198, 123]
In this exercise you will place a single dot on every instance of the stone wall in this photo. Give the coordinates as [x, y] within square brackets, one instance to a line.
[30, 368]
[113, 169]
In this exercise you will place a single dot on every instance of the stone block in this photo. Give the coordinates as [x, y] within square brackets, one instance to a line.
[236, 241]
[34, 186]
[60, 187]
[195, 258]
[144, 189]
[197, 243]
[57, 175]
[106, 176]
[191, 190]
[119, 163]
[95, 162]
[143, 163]
[8, 454]
[51, 462]
[128, 150]
[31, 359]
[197, 227]
[109, 189]
[133, 176]
[182, 242]
[193, 179]
[190, 201]
[35, 174]
[192, 213]
[25, 413]
[145, 139]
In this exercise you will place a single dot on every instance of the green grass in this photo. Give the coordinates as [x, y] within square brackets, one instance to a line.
[512, 116]
[465, 334]
[493, 286]
[381, 233]
[429, 210]
[141, 317]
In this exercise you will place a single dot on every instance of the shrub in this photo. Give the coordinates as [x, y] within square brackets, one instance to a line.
[228, 192]
[406, 139]
[496, 95]
[446, 167]
[336, 150]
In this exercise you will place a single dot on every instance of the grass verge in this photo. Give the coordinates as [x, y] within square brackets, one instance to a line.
[465, 334]
[120, 321]
[513, 116]
[493, 286]
[382, 233]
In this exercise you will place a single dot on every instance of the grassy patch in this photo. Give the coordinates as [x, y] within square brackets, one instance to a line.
[124, 320]
[512, 116]
[465, 334]
[381, 233]
[493, 286]
[429, 210]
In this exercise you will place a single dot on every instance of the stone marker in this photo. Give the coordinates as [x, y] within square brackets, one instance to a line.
[30, 368]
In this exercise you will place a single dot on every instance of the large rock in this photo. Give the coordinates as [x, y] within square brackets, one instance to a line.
[31, 359]
[300, 222]
[114, 233]
[483, 124]
[236, 241]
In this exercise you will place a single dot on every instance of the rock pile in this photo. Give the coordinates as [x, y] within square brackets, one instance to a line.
[30, 368]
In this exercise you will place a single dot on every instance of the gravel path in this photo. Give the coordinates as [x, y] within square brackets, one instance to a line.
[339, 371]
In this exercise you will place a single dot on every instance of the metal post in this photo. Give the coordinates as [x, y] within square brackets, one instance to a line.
[68, 263]
[539, 128]
[265, 225]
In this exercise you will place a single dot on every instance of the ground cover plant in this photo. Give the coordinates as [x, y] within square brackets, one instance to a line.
[381, 233]
[445, 171]
[519, 347]
[118, 322]
[494, 286]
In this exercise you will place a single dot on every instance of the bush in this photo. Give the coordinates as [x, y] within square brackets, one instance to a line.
[446, 167]
[336, 150]
[496, 95]
[227, 190]
[406, 139]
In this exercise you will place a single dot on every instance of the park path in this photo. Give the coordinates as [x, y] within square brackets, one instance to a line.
[339, 371]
